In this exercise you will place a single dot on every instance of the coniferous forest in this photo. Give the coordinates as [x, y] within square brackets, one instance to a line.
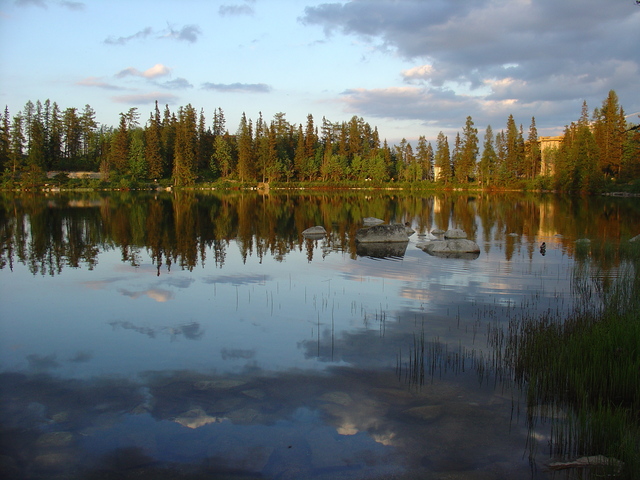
[184, 148]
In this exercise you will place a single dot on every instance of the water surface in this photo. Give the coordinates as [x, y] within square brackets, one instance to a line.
[201, 334]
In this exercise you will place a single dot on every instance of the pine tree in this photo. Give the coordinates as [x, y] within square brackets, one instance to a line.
[17, 145]
[137, 162]
[442, 159]
[120, 147]
[71, 137]
[219, 123]
[488, 161]
[514, 161]
[609, 128]
[168, 140]
[222, 159]
[244, 138]
[88, 126]
[532, 152]
[424, 156]
[5, 140]
[186, 145]
[153, 145]
[54, 143]
[468, 153]
[457, 168]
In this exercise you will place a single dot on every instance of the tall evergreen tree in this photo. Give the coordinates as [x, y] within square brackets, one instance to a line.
[488, 161]
[514, 161]
[244, 138]
[120, 147]
[5, 140]
[168, 139]
[186, 147]
[533, 157]
[468, 153]
[153, 145]
[71, 137]
[222, 158]
[456, 158]
[442, 159]
[609, 128]
[424, 157]
[17, 145]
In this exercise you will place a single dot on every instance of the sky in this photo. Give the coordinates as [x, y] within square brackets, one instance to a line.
[408, 67]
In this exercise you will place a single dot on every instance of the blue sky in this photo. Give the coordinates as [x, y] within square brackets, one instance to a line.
[408, 67]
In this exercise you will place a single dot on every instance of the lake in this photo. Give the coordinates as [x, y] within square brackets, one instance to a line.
[201, 335]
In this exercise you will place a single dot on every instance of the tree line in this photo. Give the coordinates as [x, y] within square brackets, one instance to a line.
[184, 148]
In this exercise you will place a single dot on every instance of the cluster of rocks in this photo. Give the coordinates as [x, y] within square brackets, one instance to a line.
[380, 240]
[454, 244]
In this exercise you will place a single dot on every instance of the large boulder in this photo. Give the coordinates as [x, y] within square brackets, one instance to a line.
[382, 234]
[452, 248]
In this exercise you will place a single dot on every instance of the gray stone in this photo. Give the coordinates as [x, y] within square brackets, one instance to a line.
[371, 221]
[410, 231]
[457, 248]
[382, 234]
[635, 239]
[313, 231]
[437, 231]
[454, 233]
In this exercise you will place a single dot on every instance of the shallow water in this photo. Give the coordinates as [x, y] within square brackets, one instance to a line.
[189, 335]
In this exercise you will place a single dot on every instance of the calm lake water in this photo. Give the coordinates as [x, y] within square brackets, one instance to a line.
[200, 335]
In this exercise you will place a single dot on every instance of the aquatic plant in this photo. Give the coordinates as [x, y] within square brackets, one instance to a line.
[585, 369]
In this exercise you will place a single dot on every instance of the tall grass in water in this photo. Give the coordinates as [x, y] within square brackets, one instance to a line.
[586, 368]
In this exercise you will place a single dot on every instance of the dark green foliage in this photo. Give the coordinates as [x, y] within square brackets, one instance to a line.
[587, 366]
[183, 148]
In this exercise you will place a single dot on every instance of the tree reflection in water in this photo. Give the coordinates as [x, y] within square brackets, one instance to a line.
[138, 383]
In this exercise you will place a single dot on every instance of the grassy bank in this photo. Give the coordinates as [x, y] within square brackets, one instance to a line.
[584, 371]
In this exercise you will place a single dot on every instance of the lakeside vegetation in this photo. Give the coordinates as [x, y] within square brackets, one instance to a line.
[584, 369]
[598, 152]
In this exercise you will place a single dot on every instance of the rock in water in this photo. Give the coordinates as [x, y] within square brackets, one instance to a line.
[456, 248]
[382, 234]
[455, 233]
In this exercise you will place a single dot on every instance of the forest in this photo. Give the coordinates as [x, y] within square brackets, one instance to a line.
[182, 148]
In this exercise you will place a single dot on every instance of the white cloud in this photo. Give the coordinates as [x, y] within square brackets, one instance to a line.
[422, 72]
[158, 70]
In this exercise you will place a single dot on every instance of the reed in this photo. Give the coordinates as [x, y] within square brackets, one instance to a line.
[586, 367]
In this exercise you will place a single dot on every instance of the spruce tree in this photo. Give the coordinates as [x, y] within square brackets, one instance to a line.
[488, 161]
[442, 159]
[186, 147]
[469, 152]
